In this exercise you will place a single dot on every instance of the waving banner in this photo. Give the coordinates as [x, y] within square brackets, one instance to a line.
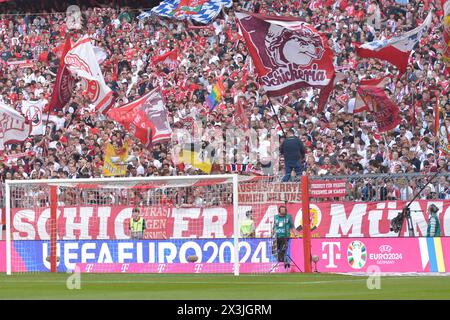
[386, 112]
[203, 11]
[33, 111]
[359, 105]
[62, 90]
[288, 54]
[169, 58]
[82, 61]
[145, 118]
[13, 126]
[395, 50]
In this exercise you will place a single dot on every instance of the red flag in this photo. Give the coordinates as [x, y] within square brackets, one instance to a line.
[360, 104]
[169, 58]
[288, 54]
[62, 90]
[145, 118]
[395, 50]
[385, 112]
[240, 117]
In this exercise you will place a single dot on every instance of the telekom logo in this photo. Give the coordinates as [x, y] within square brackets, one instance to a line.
[125, 267]
[330, 254]
[161, 267]
[198, 268]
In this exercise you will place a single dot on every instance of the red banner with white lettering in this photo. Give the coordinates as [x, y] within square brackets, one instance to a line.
[328, 189]
[328, 219]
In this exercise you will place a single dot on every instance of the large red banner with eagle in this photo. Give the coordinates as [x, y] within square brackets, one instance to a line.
[288, 54]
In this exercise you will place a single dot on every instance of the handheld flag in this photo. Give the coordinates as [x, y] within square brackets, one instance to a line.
[216, 94]
[82, 61]
[13, 126]
[146, 118]
[385, 112]
[397, 49]
[63, 88]
[359, 104]
[203, 11]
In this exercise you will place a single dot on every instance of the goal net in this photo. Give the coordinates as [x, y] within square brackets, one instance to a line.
[187, 224]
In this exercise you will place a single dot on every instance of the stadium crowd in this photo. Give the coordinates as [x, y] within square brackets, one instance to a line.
[337, 141]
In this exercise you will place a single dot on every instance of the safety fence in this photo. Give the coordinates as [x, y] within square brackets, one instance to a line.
[364, 187]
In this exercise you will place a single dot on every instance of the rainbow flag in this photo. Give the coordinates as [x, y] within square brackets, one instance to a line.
[216, 95]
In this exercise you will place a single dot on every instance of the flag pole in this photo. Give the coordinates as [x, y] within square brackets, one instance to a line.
[276, 116]
[44, 137]
[436, 122]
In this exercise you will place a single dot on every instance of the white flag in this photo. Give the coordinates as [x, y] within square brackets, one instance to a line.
[33, 112]
[374, 20]
[82, 61]
[100, 54]
[13, 128]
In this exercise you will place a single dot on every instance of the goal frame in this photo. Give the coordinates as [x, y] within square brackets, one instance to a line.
[232, 178]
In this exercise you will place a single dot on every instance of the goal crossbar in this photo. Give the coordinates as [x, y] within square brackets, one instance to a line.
[123, 182]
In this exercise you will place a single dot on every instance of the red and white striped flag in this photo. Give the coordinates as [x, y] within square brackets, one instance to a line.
[397, 49]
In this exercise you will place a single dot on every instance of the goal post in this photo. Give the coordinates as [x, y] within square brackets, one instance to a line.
[58, 225]
[193, 224]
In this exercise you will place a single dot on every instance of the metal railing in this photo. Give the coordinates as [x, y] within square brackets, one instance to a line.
[404, 186]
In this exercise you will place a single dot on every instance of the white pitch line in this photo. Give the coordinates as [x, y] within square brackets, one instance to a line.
[188, 282]
[398, 274]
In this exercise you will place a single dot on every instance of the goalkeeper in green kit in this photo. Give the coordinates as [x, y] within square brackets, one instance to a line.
[283, 225]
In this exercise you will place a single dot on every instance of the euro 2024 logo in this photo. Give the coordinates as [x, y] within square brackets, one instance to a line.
[357, 254]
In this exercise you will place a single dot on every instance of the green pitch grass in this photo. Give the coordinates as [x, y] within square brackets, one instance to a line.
[192, 287]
